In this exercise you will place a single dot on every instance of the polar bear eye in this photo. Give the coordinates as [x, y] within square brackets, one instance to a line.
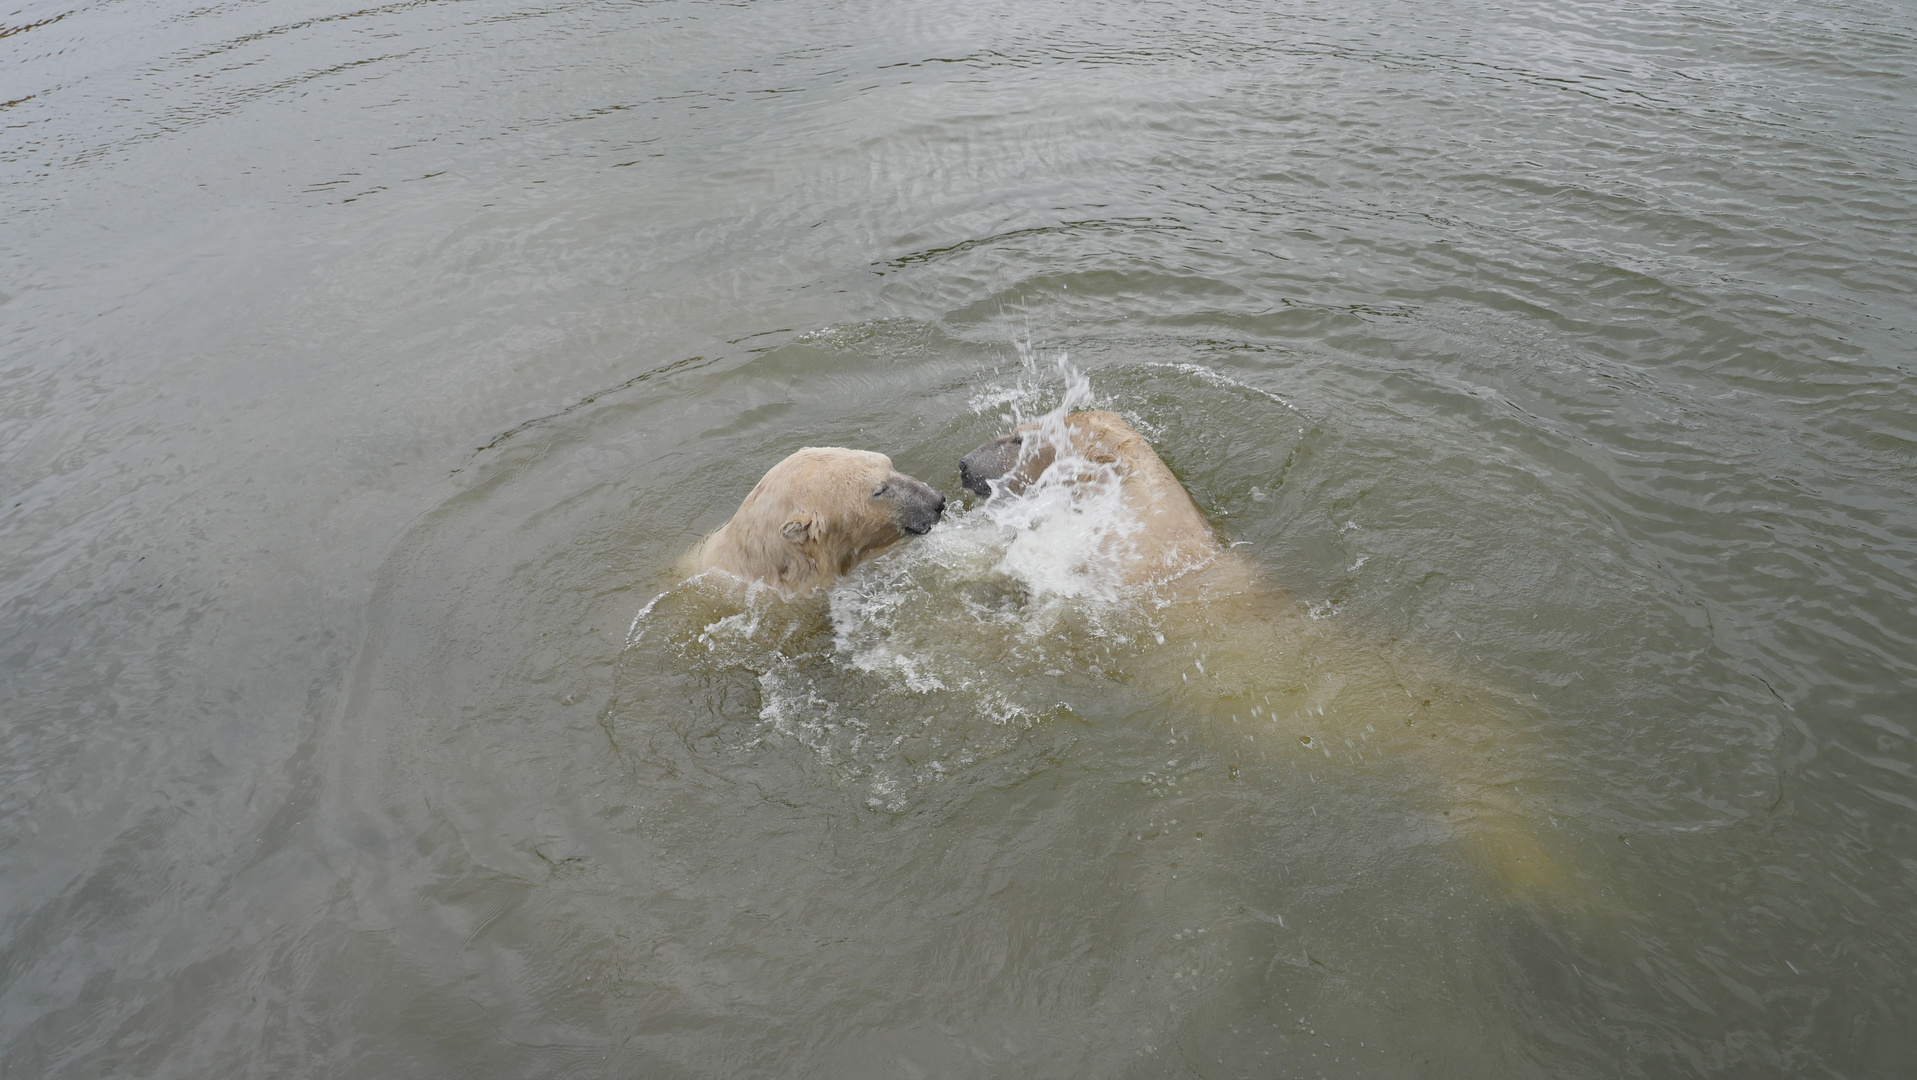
[880, 490]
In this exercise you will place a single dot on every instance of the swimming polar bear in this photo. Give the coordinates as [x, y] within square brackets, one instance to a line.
[1241, 648]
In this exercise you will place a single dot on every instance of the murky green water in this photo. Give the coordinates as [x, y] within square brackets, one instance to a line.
[362, 372]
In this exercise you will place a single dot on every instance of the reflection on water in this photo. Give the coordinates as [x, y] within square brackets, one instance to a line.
[367, 367]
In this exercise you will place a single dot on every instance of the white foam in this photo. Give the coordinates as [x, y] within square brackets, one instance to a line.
[1003, 576]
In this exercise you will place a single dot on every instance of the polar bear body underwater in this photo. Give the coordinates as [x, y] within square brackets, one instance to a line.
[1234, 645]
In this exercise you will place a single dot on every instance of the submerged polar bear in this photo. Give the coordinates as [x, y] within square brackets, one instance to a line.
[1234, 645]
[815, 516]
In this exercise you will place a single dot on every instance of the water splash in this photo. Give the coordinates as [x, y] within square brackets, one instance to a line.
[1067, 533]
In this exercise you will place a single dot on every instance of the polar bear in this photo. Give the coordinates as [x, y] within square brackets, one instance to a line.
[1235, 645]
[815, 516]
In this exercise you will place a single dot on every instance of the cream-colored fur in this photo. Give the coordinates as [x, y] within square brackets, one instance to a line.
[814, 516]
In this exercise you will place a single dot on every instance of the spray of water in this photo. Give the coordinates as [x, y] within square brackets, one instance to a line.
[1066, 534]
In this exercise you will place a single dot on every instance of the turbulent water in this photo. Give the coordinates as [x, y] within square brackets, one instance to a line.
[363, 371]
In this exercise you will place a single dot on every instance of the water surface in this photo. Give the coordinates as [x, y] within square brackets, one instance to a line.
[363, 370]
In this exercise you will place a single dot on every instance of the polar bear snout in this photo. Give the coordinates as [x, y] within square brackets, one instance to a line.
[989, 462]
[917, 505]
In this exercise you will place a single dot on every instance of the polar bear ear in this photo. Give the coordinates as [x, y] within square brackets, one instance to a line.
[797, 527]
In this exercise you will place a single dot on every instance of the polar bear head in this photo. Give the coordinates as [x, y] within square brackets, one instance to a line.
[816, 515]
